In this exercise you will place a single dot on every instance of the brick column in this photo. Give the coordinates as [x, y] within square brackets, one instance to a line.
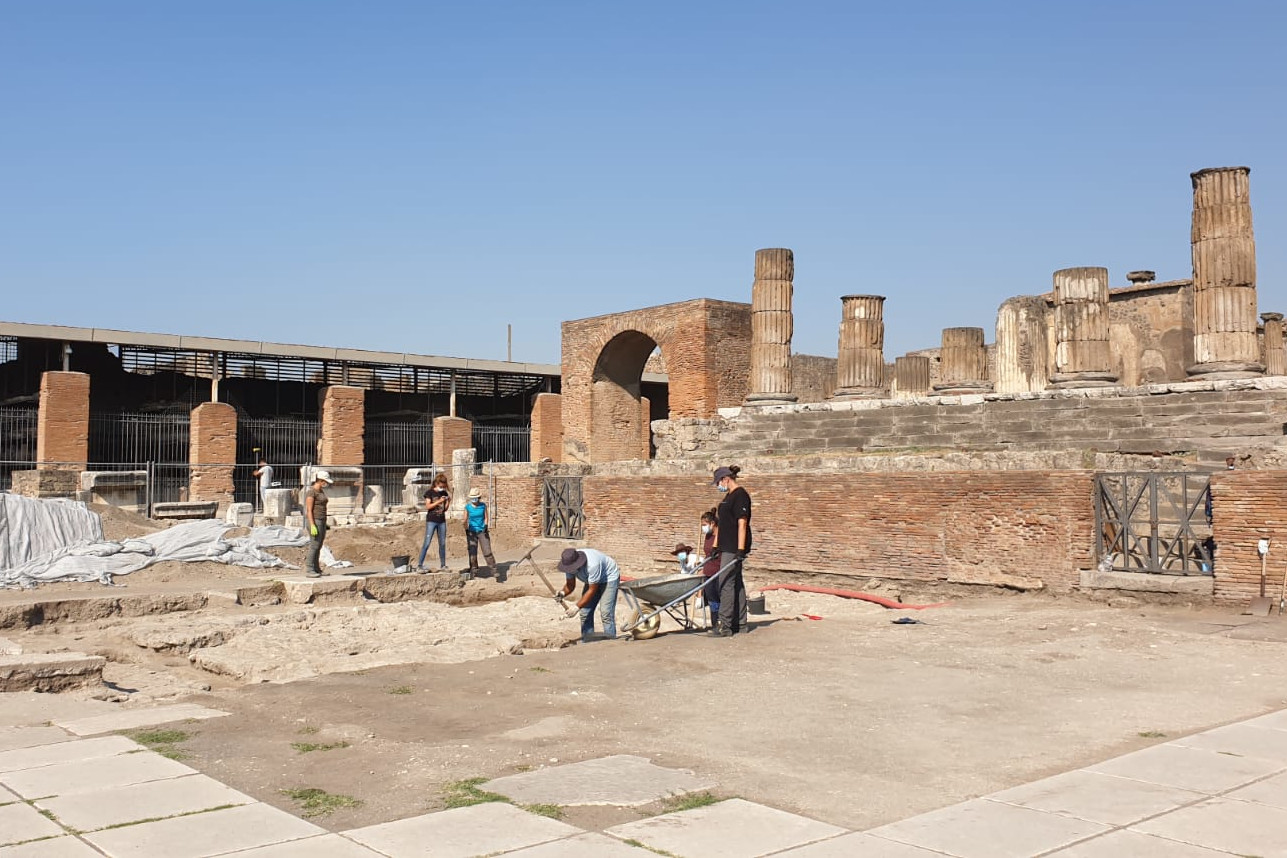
[449, 435]
[860, 369]
[1224, 276]
[963, 362]
[343, 426]
[911, 376]
[547, 428]
[1275, 359]
[771, 327]
[62, 423]
[1083, 356]
[212, 452]
[645, 428]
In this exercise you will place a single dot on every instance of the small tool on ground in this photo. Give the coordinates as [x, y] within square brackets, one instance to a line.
[1261, 605]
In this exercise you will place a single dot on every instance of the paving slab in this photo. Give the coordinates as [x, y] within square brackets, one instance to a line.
[1243, 740]
[735, 828]
[326, 846]
[858, 845]
[7, 796]
[462, 833]
[618, 780]
[93, 775]
[119, 805]
[1194, 769]
[1098, 797]
[65, 752]
[19, 822]
[1133, 844]
[132, 719]
[1240, 827]
[12, 738]
[215, 833]
[55, 847]
[589, 845]
[1274, 720]
[1271, 791]
[989, 829]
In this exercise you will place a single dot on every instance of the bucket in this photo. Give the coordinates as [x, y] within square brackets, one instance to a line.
[400, 560]
[755, 605]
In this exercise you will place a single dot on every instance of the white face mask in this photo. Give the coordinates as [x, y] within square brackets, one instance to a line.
[683, 555]
[706, 529]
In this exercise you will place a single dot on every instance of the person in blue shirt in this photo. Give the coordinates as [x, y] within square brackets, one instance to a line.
[601, 577]
[476, 535]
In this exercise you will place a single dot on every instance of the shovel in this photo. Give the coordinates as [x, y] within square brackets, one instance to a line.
[1261, 605]
[1282, 596]
[540, 574]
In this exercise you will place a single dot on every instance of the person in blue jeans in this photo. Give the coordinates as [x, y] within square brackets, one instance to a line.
[601, 577]
[476, 535]
[437, 498]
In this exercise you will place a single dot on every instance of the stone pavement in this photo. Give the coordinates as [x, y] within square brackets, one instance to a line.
[1215, 794]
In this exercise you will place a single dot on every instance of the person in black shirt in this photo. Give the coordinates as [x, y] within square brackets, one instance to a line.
[733, 539]
[437, 498]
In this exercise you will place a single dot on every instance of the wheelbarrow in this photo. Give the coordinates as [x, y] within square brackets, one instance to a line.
[649, 598]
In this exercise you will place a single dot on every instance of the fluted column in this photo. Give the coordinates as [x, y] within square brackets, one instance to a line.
[1224, 276]
[860, 369]
[963, 362]
[771, 326]
[1275, 359]
[911, 376]
[1083, 356]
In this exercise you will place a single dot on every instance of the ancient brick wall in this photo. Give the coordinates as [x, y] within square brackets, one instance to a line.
[343, 426]
[212, 452]
[1248, 506]
[515, 497]
[974, 528]
[449, 435]
[547, 427]
[62, 439]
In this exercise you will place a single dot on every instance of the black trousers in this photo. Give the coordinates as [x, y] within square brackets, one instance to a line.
[732, 594]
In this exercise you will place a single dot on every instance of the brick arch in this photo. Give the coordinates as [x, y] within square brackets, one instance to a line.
[706, 348]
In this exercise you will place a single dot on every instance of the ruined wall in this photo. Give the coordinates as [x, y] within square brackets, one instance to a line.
[62, 433]
[212, 451]
[1151, 332]
[449, 435]
[547, 427]
[1248, 506]
[343, 417]
[813, 377]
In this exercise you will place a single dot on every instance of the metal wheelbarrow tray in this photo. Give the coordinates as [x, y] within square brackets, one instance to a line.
[649, 598]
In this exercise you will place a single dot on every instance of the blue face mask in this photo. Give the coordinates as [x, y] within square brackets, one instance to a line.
[682, 556]
[722, 488]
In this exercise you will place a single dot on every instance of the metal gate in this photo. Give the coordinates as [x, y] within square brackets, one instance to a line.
[155, 442]
[1154, 522]
[561, 514]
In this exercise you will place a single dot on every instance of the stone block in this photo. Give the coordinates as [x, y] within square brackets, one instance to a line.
[185, 510]
[373, 500]
[50, 672]
[240, 514]
[415, 482]
[278, 504]
[122, 489]
[45, 483]
[344, 493]
[1196, 585]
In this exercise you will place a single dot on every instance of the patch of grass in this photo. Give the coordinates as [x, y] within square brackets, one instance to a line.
[639, 845]
[466, 793]
[176, 754]
[163, 742]
[553, 811]
[319, 802]
[400, 689]
[539, 669]
[690, 801]
[1152, 734]
[307, 731]
[523, 768]
[309, 747]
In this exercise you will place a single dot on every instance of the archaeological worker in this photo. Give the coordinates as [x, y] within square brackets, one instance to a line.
[315, 522]
[733, 539]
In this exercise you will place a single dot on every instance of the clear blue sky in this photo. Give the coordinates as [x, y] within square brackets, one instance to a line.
[414, 175]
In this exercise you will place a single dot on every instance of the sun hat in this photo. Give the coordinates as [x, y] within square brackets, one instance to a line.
[324, 476]
[682, 547]
[475, 494]
[571, 560]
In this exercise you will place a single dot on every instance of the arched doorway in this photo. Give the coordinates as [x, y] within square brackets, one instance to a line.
[619, 411]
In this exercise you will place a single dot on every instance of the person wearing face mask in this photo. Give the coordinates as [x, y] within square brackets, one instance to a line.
[687, 559]
[710, 593]
[476, 534]
[733, 539]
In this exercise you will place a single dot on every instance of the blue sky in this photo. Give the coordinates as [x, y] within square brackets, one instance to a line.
[413, 176]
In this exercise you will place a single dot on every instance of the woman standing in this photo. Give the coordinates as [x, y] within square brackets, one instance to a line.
[733, 539]
[315, 521]
[437, 498]
[710, 593]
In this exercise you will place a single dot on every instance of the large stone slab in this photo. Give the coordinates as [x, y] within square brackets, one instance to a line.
[91, 811]
[30, 737]
[214, 833]
[133, 719]
[1097, 797]
[618, 780]
[56, 847]
[731, 829]
[583, 846]
[84, 776]
[1240, 827]
[20, 822]
[50, 672]
[464, 832]
[1242, 740]
[989, 829]
[1133, 844]
[1270, 791]
[325, 846]
[1272, 721]
[1188, 768]
[65, 752]
[7, 796]
[858, 846]
[304, 591]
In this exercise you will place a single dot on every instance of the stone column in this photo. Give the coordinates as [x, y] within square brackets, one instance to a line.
[1083, 356]
[449, 435]
[963, 362]
[1022, 346]
[547, 428]
[212, 452]
[771, 326]
[62, 422]
[1224, 276]
[343, 420]
[860, 368]
[1275, 359]
[911, 376]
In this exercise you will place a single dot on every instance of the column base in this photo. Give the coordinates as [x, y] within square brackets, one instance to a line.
[1069, 380]
[962, 388]
[859, 393]
[1216, 370]
[771, 399]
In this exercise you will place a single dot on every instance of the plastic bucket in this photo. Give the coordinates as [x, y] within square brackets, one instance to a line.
[755, 605]
[400, 560]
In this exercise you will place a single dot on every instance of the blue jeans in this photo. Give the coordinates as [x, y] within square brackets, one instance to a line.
[606, 600]
[440, 528]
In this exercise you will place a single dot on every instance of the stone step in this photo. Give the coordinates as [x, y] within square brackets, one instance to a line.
[50, 672]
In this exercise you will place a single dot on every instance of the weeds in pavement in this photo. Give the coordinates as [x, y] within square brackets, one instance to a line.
[309, 747]
[319, 802]
[691, 801]
[466, 793]
[163, 742]
[553, 811]
[400, 689]
[308, 730]
[1152, 734]
[640, 845]
[539, 669]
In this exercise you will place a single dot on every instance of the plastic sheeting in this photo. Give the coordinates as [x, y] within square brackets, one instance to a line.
[31, 528]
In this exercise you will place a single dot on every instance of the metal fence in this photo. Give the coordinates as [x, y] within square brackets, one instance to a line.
[503, 443]
[286, 444]
[137, 438]
[17, 442]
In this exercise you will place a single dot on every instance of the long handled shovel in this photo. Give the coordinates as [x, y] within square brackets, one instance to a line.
[1261, 605]
[1282, 596]
[540, 574]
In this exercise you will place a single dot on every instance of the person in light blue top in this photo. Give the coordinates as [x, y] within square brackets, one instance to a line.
[601, 577]
[476, 535]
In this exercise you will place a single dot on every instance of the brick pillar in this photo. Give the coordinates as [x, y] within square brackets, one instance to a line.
[547, 428]
[212, 451]
[343, 426]
[1083, 356]
[963, 362]
[860, 370]
[911, 376]
[645, 428]
[62, 433]
[449, 435]
[1224, 276]
[771, 326]
[1275, 359]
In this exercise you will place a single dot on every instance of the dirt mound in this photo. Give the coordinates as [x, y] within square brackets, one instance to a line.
[119, 525]
[370, 545]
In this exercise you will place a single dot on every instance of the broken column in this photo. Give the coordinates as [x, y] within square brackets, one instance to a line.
[860, 368]
[62, 423]
[1023, 352]
[771, 326]
[212, 452]
[911, 376]
[1275, 360]
[963, 362]
[1083, 356]
[1225, 344]
[343, 420]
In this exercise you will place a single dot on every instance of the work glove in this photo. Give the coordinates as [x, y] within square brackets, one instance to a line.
[572, 611]
[559, 597]
[312, 529]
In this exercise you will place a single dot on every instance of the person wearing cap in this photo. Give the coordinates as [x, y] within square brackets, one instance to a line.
[733, 539]
[315, 522]
[476, 533]
[687, 559]
[601, 577]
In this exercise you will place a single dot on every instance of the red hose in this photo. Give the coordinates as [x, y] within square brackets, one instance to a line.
[852, 594]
